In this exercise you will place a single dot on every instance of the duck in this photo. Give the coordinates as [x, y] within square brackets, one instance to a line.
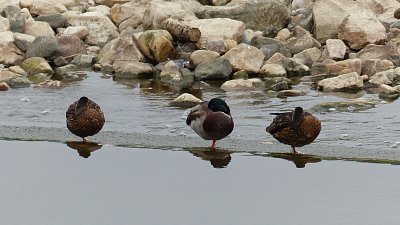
[296, 128]
[211, 120]
[84, 118]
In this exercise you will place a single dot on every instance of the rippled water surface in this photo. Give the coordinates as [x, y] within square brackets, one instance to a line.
[52, 183]
[141, 106]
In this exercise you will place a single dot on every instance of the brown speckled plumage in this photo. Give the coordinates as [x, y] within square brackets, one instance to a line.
[295, 129]
[86, 119]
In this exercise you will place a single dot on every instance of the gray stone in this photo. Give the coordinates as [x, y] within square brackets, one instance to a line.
[174, 76]
[345, 82]
[132, 70]
[38, 28]
[269, 50]
[54, 20]
[22, 41]
[219, 68]
[373, 66]
[121, 48]
[373, 51]
[200, 56]
[259, 41]
[44, 46]
[245, 57]
[83, 60]
[17, 20]
[60, 61]
[384, 77]
[301, 40]
[71, 45]
[294, 68]
[308, 57]
[242, 84]
[272, 70]
[334, 49]
[4, 24]
[185, 100]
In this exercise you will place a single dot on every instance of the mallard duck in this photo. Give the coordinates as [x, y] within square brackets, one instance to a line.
[297, 128]
[84, 118]
[211, 120]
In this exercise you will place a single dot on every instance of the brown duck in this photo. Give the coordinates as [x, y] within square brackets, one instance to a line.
[84, 118]
[297, 128]
[211, 120]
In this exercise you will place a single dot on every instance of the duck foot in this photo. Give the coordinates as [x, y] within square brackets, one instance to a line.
[84, 139]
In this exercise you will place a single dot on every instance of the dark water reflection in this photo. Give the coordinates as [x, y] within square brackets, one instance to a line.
[142, 106]
[300, 160]
[44, 184]
[218, 158]
[84, 149]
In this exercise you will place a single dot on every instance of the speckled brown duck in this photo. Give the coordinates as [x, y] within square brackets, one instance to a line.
[297, 128]
[211, 120]
[84, 118]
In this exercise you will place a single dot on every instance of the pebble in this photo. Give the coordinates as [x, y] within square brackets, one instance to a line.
[25, 99]
[331, 109]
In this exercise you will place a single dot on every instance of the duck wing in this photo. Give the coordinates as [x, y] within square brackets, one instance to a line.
[218, 125]
[281, 121]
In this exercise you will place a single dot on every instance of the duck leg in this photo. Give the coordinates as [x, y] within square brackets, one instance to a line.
[213, 144]
[294, 150]
[84, 139]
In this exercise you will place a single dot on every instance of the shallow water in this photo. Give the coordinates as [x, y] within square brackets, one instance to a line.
[142, 107]
[49, 183]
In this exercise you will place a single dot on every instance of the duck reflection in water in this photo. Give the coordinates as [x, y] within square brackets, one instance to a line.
[84, 148]
[218, 158]
[300, 160]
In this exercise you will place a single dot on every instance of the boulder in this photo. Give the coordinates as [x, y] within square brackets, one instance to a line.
[4, 24]
[259, 42]
[329, 14]
[101, 28]
[156, 45]
[175, 76]
[38, 28]
[185, 100]
[360, 29]
[83, 60]
[44, 46]
[22, 41]
[36, 65]
[54, 20]
[103, 9]
[10, 54]
[81, 31]
[121, 48]
[373, 66]
[343, 67]
[345, 82]
[266, 15]
[301, 40]
[120, 13]
[39, 8]
[272, 70]
[200, 56]
[335, 49]
[385, 77]
[293, 68]
[308, 57]
[215, 69]
[215, 31]
[242, 84]
[373, 51]
[132, 70]
[15, 17]
[71, 45]
[245, 57]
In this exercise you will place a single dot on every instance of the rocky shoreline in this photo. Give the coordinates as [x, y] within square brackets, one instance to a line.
[332, 45]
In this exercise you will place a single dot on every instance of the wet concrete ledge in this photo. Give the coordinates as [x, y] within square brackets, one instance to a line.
[258, 147]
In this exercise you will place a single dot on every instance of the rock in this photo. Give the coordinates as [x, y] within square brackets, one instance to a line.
[60, 61]
[4, 86]
[173, 76]
[4, 4]
[4, 24]
[269, 50]
[215, 31]
[373, 66]
[272, 70]
[200, 56]
[329, 14]
[335, 49]
[283, 35]
[290, 93]
[361, 29]
[384, 77]
[121, 48]
[18, 70]
[266, 15]
[259, 41]
[81, 31]
[185, 100]
[68, 73]
[241, 74]
[38, 78]
[158, 10]
[38, 28]
[247, 36]
[110, 3]
[132, 70]
[120, 13]
[44, 46]
[156, 45]
[276, 58]
[83, 60]
[308, 57]
[103, 9]
[373, 51]
[302, 15]
[36, 65]
[294, 68]
[301, 40]
[388, 90]
[245, 57]
[19, 82]
[101, 28]
[219, 68]
[10, 54]
[345, 82]
[343, 67]
[39, 8]
[54, 20]
[71, 45]
[241, 84]
[396, 14]
[50, 84]
[277, 83]
[22, 41]
[358, 104]
[16, 19]
[134, 22]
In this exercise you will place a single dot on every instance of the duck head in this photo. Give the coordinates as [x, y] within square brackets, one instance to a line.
[219, 105]
[82, 104]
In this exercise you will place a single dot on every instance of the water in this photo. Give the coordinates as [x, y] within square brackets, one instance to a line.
[140, 106]
[49, 183]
